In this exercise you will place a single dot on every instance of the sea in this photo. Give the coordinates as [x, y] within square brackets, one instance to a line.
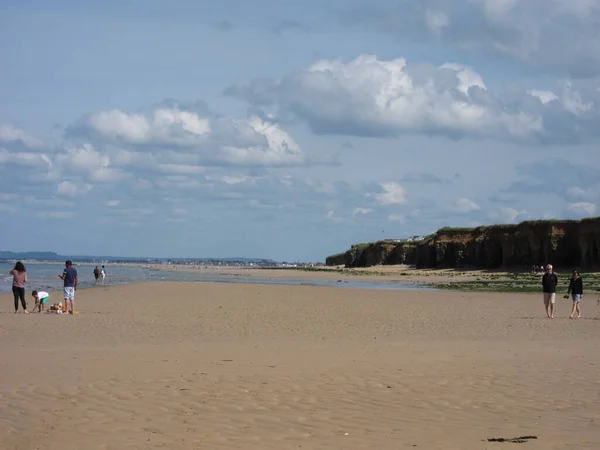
[45, 277]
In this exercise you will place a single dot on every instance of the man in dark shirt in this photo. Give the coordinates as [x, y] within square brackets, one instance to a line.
[549, 282]
[69, 276]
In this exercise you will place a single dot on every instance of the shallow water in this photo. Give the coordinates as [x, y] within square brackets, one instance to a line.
[45, 277]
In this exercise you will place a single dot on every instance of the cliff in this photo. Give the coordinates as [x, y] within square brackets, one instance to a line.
[564, 243]
[336, 260]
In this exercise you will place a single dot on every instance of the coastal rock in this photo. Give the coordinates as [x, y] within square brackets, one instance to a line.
[335, 260]
[565, 243]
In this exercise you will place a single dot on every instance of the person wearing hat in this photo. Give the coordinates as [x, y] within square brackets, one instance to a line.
[576, 290]
[549, 282]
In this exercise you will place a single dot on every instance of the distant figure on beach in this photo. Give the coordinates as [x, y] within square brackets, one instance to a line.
[19, 275]
[69, 276]
[102, 275]
[41, 298]
[96, 274]
[549, 282]
[576, 290]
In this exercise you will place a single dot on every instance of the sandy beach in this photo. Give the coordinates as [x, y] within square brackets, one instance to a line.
[240, 366]
[375, 274]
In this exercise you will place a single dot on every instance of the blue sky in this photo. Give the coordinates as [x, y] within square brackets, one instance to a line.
[290, 131]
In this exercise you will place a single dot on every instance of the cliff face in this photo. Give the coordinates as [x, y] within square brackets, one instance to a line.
[336, 260]
[562, 243]
[383, 252]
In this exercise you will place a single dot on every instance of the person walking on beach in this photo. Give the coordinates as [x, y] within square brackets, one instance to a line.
[96, 274]
[102, 275]
[19, 275]
[576, 290]
[549, 282]
[69, 276]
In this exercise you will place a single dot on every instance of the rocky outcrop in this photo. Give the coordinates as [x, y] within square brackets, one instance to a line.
[336, 260]
[382, 252]
[566, 243]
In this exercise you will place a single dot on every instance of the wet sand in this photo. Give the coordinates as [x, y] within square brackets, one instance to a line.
[375, 274]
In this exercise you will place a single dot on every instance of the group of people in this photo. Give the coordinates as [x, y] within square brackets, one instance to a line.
[70, 281]
[41, 298]
[575, 290]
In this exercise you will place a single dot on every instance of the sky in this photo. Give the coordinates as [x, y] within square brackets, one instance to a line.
[291, 130]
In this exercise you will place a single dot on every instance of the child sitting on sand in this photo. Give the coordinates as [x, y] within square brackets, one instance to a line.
[41, 298]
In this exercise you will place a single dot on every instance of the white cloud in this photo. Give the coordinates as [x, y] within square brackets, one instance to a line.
[142, 184]
[282, 149]
[6, 197]
[119, 125]
[372, 97]
[508, 215]
[107, 174]
[361, 211]
[164, 125]
[583, 208]
[255, 203]
[467, 77]
[45, 201]
[56, 214]
[497, 8]
[66, 188]
[10, 209]
[233, 180]
[22, 158]
[393, 194]
[171, 136]
[543, 96]
[86, 162]
[83, 158]
[9, 134]
[436, 21]
[70, 189]
[183, 169]
[113, 203]
[323, 187]
[576, 192]
[332, 217]
[554, 35]
[287, 181]
[573, 102]
[167, 149]
[396, 218]
[465, 205]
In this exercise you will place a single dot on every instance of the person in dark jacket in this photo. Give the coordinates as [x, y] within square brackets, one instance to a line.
[549, 282]
[576, 290]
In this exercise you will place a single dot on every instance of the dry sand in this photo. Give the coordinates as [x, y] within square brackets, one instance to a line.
[228, 366]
